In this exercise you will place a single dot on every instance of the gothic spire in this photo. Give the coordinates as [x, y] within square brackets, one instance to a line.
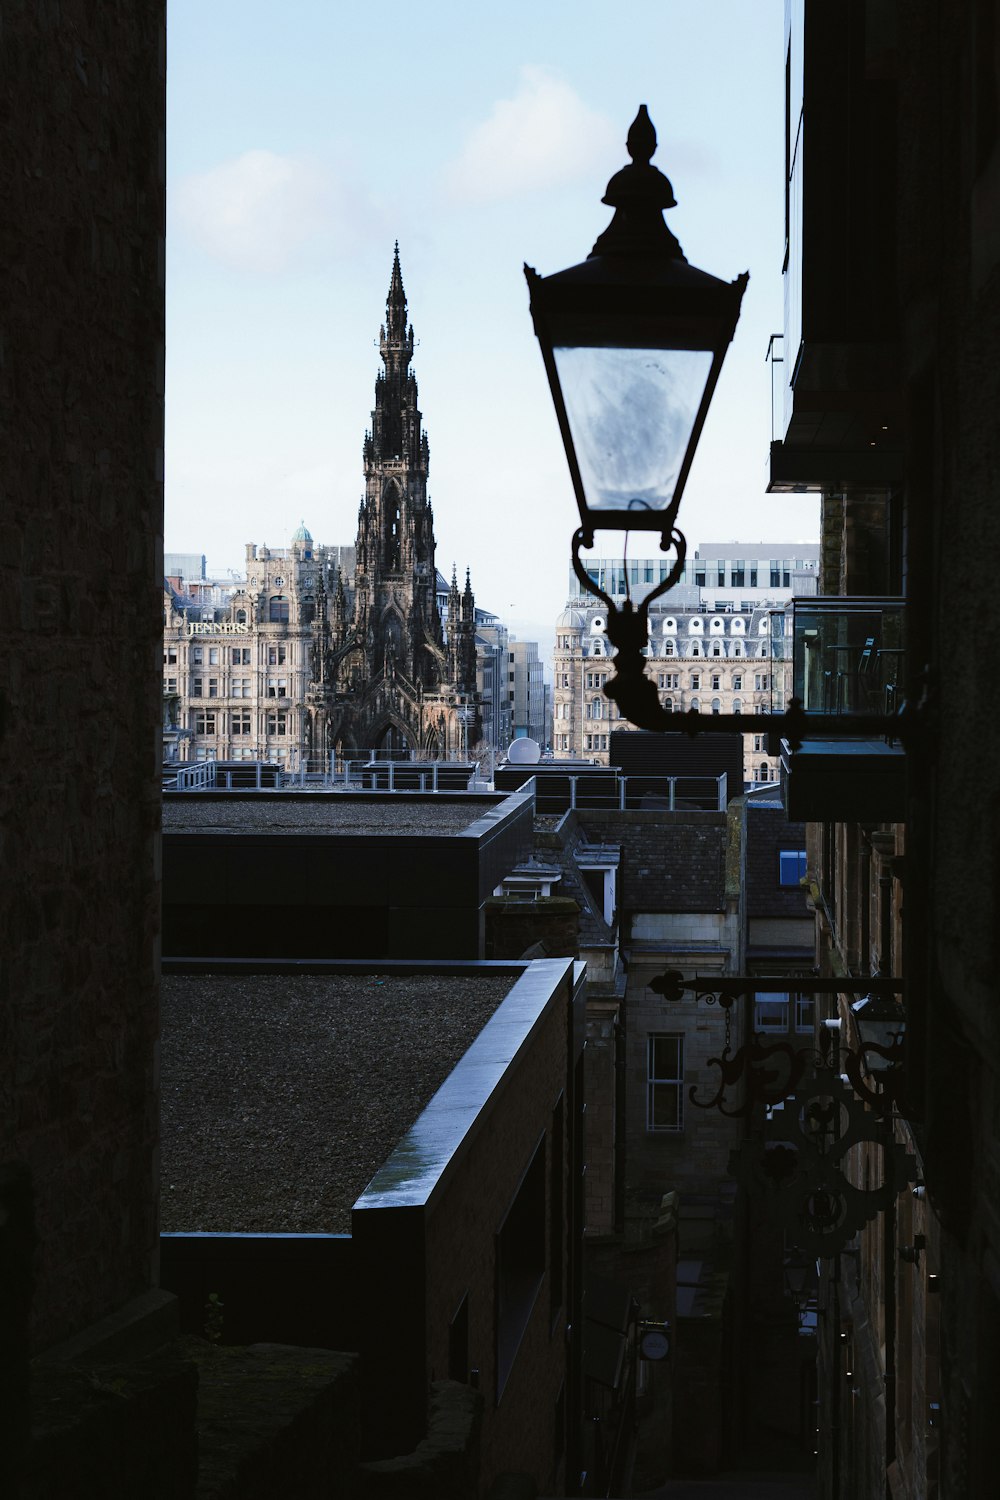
[395, 304]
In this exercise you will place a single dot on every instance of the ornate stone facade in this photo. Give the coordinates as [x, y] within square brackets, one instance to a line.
[719, 643]
[335, 649]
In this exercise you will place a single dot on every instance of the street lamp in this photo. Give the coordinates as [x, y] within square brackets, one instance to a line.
[633, 341]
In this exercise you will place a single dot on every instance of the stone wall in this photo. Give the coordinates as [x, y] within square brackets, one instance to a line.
[81, 434]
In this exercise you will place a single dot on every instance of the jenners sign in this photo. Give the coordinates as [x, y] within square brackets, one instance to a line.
[217, 627]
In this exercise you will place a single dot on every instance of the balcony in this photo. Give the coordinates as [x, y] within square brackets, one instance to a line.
[848, 657]
[848, 654]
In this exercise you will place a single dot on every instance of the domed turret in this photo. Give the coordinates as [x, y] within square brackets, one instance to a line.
[570, 619]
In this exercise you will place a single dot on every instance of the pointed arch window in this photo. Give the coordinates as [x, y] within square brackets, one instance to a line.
[391, 524]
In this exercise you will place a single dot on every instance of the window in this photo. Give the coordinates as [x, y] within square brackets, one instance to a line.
[669, 649]
[770, 1012]
[204, 722]
[520, 1264]
[717, 626]
[696, 706]
[696, 679]
[241, 656]
[277, 611]
[170, 656]
[563, 681]
[737, 648]
[696, 648]
[764, 772]
[758, 742]
[670, 680]
[753, 577]
[716, 681]
[791, 866]
[276, 656]
[738, 573]
[213, 687]
[197, 656]
[595, 709]
[241, 617]
[241, 721]
[197, 687]
[213, 656]
[716, 706]
[170, 684]
[737, 706]
[240, 687]
[664, 1081]
[737, 682]
[277, 687]
[277, 723]
[696, 626]
[668, 705]
[762, 681]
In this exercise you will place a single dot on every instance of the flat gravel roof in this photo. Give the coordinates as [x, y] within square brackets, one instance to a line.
[312, 815]
[282, 1095]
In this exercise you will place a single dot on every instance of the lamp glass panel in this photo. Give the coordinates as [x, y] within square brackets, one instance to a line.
[631, 413]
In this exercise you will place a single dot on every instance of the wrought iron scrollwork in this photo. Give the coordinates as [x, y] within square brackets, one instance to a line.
[817, 1104]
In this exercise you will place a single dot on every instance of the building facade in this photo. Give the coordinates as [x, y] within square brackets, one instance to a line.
[526, 692]
[330, 650]
[718, 643]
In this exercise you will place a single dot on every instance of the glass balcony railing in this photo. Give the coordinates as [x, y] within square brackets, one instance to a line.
[848, 655]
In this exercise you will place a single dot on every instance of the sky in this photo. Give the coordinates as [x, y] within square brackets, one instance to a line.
[306, 136]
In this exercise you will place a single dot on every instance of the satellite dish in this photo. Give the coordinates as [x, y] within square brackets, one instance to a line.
[524, 752]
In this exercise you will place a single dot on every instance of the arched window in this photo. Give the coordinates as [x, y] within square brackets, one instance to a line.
[736, 626]
[737, 648]
[717, 626]
[696, 649]
[764, 771]
[391, 527]
[597, 623]
[717, 648]
[737, 706]
[695, 705]
[597, 649]
[277, 610]
[762, 650]
[668, 705]
[669, 648]
[696, 626]
[716, 706]
[670, 626]
[241, 617]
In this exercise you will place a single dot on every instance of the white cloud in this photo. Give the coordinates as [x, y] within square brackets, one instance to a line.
[542, 138]
[264, 212]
